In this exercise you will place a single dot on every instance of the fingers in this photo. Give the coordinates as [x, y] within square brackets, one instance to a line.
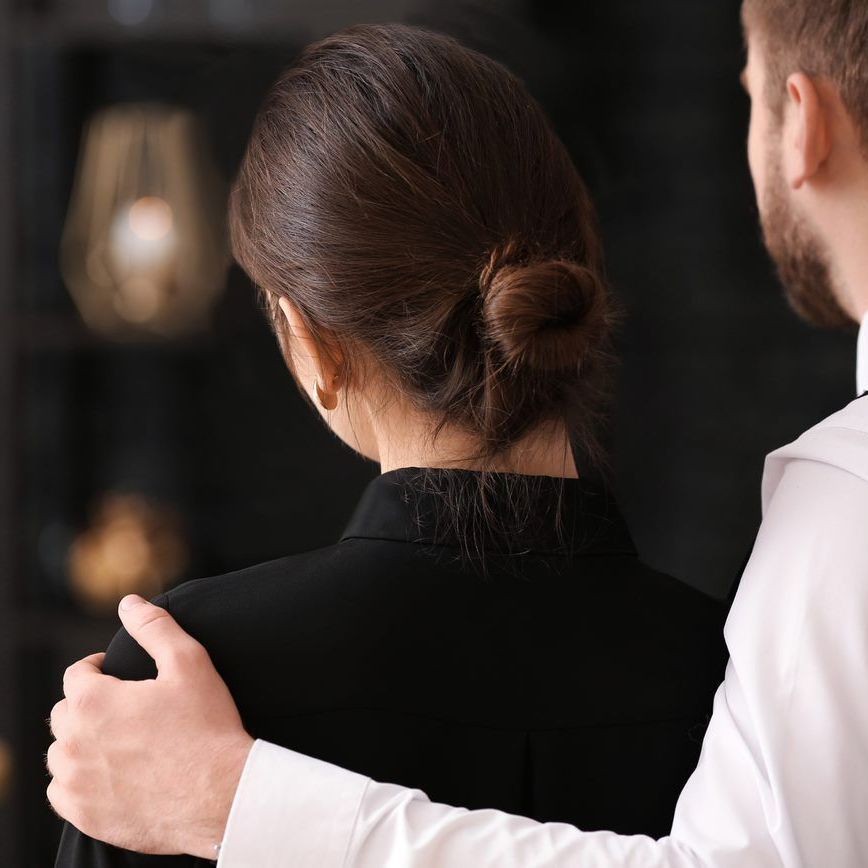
[56, 798]
[66, 805]
[83, 672]
[58, 722]
[52, 760]
[174, 651]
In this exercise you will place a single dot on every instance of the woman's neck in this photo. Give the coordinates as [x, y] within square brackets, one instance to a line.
[544, 453]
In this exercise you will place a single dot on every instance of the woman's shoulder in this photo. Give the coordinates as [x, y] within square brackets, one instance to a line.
[269, 605]
[289, 573]
[124, 657]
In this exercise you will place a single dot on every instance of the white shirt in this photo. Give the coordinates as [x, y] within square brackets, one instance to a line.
[782, 779]
[862, 359]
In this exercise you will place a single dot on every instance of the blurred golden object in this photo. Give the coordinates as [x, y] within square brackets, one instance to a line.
[144, 247]
[5, 771]
[133, 546]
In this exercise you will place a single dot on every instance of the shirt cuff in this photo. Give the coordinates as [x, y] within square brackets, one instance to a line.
[290, 809]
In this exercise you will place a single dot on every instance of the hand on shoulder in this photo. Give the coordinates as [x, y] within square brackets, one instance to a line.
[168, 793]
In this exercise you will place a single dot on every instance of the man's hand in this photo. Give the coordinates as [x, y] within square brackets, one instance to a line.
[149, 765]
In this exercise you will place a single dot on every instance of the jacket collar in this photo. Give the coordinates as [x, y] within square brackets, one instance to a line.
[411, 505]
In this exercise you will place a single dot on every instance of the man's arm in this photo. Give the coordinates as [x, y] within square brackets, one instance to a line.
[782, 779]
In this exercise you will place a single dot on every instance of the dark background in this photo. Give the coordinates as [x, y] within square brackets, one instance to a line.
[716, 371]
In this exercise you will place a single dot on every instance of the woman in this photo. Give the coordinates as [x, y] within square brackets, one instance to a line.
[483, 630]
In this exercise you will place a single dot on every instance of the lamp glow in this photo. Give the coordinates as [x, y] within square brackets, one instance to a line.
[133, 545]
[142, 252]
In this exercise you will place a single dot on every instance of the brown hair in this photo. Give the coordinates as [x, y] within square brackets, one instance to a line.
[820, 38]
[411, 199]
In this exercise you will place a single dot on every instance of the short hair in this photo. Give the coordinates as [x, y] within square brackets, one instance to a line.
[826, 38]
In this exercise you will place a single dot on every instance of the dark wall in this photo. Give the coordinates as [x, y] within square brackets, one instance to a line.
[716, 371]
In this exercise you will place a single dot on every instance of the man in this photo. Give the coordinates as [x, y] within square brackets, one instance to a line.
[783, 776]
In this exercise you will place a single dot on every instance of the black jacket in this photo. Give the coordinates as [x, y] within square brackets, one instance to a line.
[551, 675]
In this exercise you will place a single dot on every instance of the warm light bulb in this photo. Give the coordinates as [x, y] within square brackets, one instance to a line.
[144, 248]
[150, 218]
[142, 235]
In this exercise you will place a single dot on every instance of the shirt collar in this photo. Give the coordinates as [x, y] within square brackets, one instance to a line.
[862, 359]
[408, 505]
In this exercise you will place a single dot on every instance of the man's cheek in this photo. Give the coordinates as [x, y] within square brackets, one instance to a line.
[753, 158]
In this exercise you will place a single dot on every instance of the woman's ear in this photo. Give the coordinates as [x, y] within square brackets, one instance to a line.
[312, 360]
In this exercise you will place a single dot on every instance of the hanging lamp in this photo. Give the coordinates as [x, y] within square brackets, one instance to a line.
[144, 249]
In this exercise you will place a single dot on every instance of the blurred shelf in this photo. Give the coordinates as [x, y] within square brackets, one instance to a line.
[62, 629]
[72, 33]
[218, 21]
[47, 331]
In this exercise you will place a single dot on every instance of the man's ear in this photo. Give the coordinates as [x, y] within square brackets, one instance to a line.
[806, 139]
[323, 363]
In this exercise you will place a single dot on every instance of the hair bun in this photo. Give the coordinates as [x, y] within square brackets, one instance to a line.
[545, 315]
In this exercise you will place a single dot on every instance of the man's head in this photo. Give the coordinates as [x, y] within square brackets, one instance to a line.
[807, 75]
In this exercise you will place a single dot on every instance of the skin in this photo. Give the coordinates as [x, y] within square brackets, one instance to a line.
[814, 163]
[104, 774]
[375, 422]
[119, 745]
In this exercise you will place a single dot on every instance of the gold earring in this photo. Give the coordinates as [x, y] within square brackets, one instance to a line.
[328, 400]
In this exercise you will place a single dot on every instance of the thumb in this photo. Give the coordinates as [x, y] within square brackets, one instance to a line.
[174, 651]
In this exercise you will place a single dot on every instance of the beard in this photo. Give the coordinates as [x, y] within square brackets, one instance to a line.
[802, 263]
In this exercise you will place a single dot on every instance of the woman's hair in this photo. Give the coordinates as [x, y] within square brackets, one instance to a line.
[413, 202]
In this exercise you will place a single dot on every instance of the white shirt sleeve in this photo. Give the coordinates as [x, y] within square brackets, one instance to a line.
[783, 775]
[290, 809]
